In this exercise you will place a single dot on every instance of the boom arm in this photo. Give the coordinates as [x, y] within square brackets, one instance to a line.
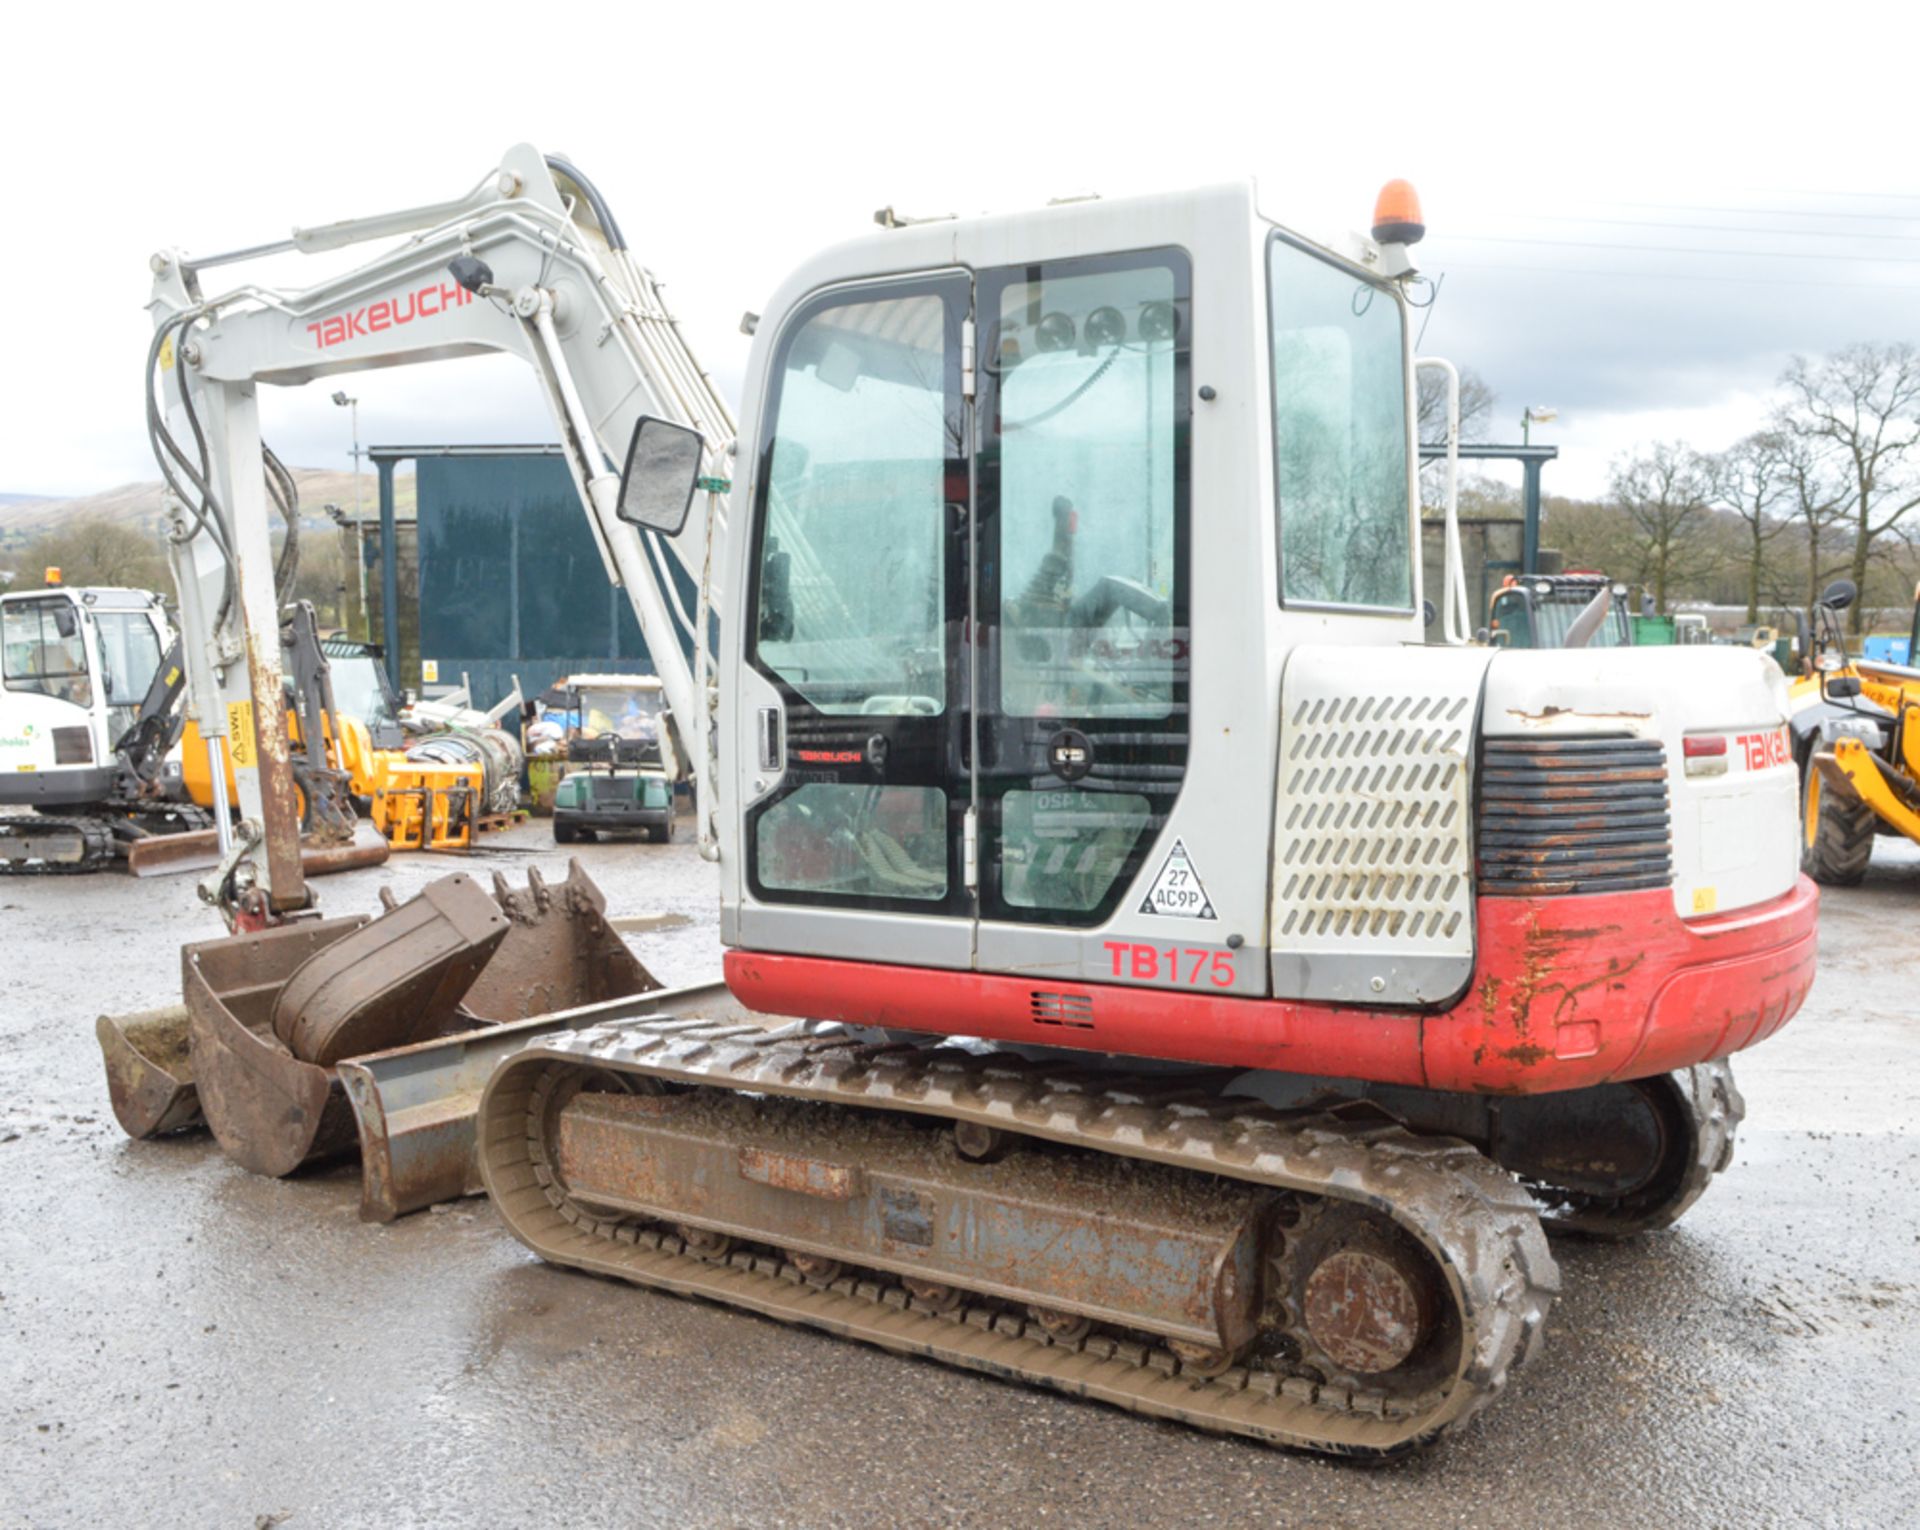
[548, 279]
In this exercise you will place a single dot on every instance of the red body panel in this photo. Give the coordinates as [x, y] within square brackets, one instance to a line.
[1566, 992]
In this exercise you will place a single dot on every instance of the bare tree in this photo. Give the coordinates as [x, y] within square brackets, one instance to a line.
[96, 550]
[1815, 502]
[1864, 402]
[1663, 493]
[1476, 407]
[1430, 414]
[1750, 480]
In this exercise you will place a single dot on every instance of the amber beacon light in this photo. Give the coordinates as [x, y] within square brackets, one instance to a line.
[1396, 214]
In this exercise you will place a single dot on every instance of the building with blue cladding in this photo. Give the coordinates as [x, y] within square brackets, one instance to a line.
[510, 577]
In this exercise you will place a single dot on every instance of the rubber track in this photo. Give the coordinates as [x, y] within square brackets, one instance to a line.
[1714, 1109]
[94, 833]
[1477, 1221]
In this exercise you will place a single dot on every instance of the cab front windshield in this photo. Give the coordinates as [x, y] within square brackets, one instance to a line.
[616, 712]
[359, 689]
[1544, 621]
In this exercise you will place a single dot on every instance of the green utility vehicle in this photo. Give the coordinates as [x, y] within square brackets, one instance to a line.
[617, 737]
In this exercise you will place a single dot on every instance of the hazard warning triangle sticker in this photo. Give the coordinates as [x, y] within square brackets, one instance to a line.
[1177, 892]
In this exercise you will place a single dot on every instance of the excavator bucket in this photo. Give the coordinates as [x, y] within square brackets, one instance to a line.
[150, 1071]
[559, 952]
[270, 1110]
[296, 1040]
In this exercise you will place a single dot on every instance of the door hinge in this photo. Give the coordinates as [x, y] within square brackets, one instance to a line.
[966, 358]
[970, 849]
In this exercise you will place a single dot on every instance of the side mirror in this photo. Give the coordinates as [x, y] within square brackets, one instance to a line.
[64, 621]
[1843, 686]
[657, 484]
[1839, 595]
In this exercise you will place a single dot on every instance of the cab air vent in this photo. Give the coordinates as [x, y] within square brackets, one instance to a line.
[1069, 1009]
[72, 746]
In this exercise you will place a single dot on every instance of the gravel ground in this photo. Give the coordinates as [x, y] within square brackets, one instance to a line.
[182, 1343]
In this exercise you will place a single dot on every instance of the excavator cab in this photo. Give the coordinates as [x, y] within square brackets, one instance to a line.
[75, 667]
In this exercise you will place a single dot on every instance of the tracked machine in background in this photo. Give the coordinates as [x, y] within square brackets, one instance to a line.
[1067, 698]
[89, 689]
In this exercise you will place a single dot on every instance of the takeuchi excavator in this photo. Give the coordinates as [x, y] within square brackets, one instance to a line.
[1154, 973]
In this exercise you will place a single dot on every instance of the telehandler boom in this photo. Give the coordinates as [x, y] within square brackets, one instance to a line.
[1069, 696]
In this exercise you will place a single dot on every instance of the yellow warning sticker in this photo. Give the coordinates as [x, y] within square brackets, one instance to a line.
[240, 734]
[1705, 899]
[166, 354]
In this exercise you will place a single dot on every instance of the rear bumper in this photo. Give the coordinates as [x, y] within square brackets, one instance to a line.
[1567, 992]
[612, 818]
[59, 786]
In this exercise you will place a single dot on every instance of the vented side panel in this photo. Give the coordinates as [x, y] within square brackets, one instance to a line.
[72, 746]
[1373, 836]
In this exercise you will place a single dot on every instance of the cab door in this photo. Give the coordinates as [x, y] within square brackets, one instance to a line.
[968, 644]
[1082, 595]
[858, 626]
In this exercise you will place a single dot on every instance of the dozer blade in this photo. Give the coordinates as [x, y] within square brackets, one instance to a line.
[150, 1071]
[160, 855]
[416, 1105]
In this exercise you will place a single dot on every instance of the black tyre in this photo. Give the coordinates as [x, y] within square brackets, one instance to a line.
[666, 830]
[1836, 833]
[564, 833]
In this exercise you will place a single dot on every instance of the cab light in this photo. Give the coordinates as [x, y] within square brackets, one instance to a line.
[1706, 755]
[1396, 215]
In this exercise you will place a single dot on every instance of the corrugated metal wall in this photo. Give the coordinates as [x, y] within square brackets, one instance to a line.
[510, 580]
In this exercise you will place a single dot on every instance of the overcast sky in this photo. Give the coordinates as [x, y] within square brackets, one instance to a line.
[1640, 212]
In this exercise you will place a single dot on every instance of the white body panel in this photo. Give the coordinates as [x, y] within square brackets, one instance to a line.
[1735, 835]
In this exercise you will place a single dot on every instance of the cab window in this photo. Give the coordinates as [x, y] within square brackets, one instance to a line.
[1340, 434]
[41, 649]
[129, 655]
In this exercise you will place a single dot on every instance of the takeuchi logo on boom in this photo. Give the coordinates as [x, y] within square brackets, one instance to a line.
[389, 313]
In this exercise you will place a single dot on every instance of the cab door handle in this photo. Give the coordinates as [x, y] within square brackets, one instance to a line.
[770, 741]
